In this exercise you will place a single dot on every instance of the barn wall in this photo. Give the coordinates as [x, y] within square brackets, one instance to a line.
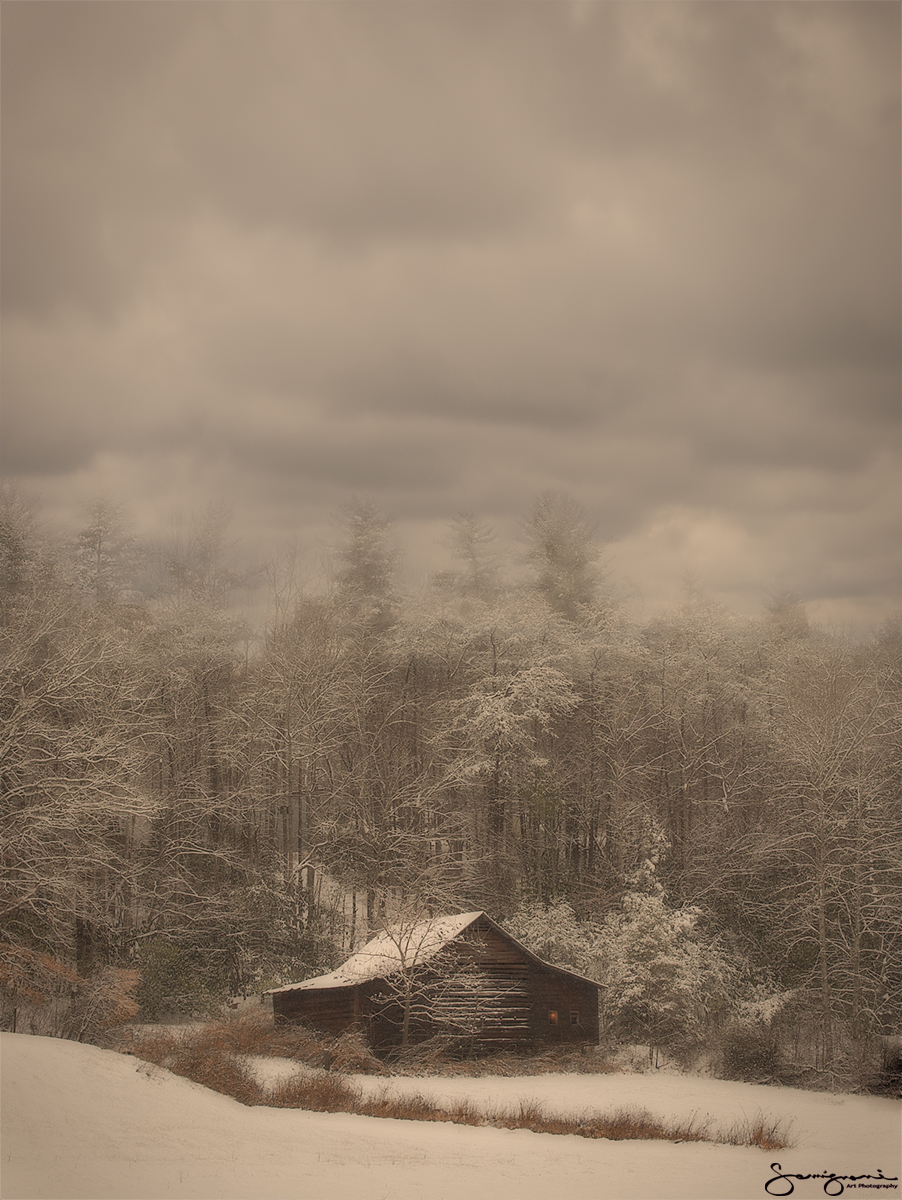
[563, 1009]
[503, 1004]
[515, 1004]
[332, 1010]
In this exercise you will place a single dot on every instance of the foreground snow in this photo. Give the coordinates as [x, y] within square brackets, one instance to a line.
[82, 1122]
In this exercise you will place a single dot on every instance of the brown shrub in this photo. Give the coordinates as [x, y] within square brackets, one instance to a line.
[153, 1048]
[761, 1131]
[750, 1053]
[215, 1069]
[352, 1055]
[403, 1108]
[315, 1093]
[254, 1033]
[244, 1033]
[587, 1060]
[201, 1057]
[29, 977]
[300, 1045]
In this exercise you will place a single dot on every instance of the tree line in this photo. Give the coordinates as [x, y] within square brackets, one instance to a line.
[216, 810]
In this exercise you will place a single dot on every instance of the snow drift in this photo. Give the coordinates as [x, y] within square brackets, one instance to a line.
[79, 1122]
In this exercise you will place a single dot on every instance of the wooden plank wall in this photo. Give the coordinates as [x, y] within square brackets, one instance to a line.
[333, 1010]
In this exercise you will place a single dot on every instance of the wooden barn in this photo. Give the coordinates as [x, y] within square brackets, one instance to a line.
[460, 976]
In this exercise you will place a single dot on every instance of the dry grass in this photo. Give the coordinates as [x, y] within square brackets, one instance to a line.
[207, 1055]
[217, 1070]
[352, 1056]
[315, 1093]
[574, 1061]
[324, 1093]
[760, 1131]
[638, 1124]
[254, 1034]
[197, 1055]
[403, 1108]
[153, 1048]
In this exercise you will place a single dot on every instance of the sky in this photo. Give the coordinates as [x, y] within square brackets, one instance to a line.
[449, 256]
[85, 1122]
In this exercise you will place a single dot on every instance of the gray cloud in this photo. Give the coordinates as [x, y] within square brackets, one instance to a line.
[450, 255]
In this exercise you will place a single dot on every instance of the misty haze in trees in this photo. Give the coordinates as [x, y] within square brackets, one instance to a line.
[562, 551]
[700, 811]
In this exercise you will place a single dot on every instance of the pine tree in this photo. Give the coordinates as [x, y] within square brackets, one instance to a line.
[561, 548]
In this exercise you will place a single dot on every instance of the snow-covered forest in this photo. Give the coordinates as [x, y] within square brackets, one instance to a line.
[700, 810]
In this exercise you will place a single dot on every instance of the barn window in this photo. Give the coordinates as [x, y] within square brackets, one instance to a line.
[552, 1016]
[574, 1018]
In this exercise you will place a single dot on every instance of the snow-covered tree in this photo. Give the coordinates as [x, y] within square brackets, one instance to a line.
[366, 576]
[194, 560]
[563, 553]
[107, 557]
[471, 541]
[663, 980]
[73, 761]
[500, 729]
[554, 932]
[831, 844]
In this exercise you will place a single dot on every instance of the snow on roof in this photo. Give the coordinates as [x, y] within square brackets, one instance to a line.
[400, 947]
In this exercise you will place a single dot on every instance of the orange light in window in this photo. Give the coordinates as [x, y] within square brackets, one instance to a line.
[552, 1017]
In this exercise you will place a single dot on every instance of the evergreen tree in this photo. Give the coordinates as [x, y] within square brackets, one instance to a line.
[664, 983]
[365, 578]
[561, 549]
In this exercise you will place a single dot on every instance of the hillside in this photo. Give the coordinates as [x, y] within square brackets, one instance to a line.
[80, 1122]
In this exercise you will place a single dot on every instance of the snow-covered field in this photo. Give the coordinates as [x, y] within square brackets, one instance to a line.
[82, 1122]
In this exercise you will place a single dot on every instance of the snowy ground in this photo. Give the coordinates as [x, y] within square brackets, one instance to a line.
[82, 1122]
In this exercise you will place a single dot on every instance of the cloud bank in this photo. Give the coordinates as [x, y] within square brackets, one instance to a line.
[451, 255]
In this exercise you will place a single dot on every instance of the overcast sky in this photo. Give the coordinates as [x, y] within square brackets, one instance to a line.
[449, 255]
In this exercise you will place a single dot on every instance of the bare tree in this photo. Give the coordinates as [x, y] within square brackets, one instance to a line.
[72, 763]
[433, 986]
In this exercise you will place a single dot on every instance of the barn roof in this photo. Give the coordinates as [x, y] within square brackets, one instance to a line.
[403, 947]
[391, 951]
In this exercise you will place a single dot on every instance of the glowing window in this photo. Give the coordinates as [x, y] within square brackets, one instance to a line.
[552, 1017]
